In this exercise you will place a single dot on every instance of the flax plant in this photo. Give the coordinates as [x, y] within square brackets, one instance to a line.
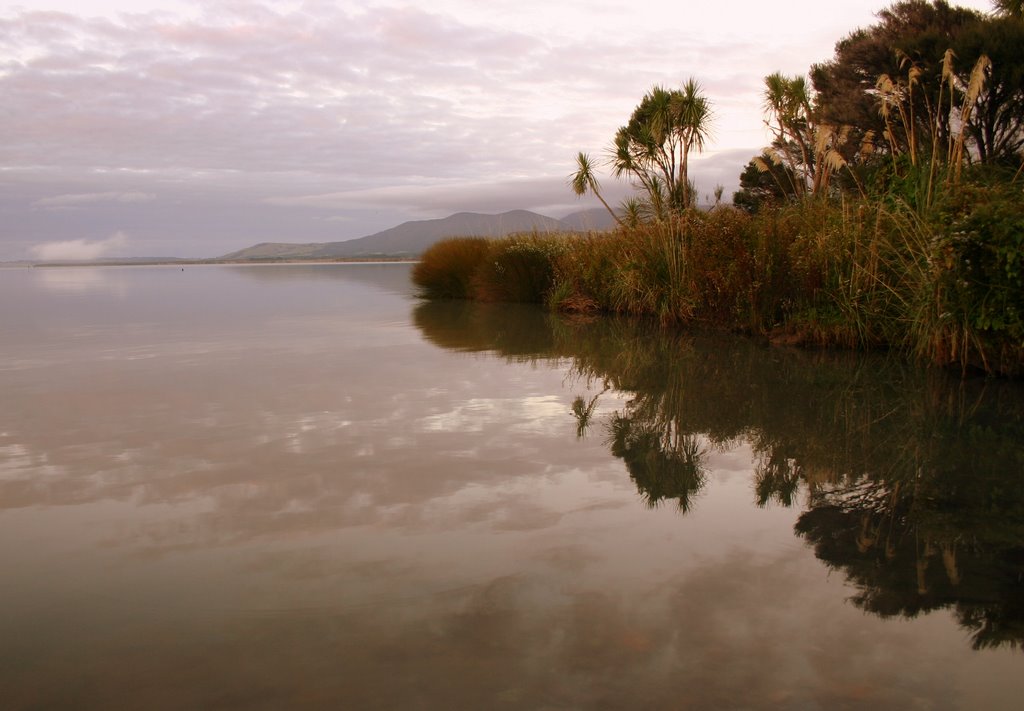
[584, 181]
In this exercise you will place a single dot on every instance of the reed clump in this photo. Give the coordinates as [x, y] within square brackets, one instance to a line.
[945, 285]
[518, 268]
[446, 270]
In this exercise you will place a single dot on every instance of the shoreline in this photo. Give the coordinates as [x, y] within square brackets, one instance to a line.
[172, 262]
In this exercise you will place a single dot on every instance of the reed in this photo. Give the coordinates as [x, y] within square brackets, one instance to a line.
[519, 268]
[445, 271]
[943, 284]
[652, 278]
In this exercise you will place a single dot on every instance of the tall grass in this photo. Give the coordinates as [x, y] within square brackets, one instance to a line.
[652, 275]
[446, 270]
[944, 284]
[518, 268]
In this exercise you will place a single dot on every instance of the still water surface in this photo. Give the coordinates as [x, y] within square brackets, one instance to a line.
[298, 487]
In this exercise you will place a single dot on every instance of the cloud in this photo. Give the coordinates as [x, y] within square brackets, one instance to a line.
[75, 200]
[78, 249]
[237, 101]
[384, 113]
[444, 196]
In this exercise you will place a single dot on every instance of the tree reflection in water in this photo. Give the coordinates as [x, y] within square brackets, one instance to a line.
[665, 464]
[912, 482]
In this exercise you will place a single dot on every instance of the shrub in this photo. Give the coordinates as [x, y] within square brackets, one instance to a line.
[585, 274]
[979, 269]
[446, 269]
[721, 262]
[519, 268]
[651, 274]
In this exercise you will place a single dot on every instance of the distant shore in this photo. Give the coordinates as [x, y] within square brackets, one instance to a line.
[172, 262]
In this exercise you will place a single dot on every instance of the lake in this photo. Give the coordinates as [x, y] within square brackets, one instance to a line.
[299, 487]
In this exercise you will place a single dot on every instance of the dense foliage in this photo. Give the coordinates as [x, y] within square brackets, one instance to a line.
[920, 47]
[888, 210]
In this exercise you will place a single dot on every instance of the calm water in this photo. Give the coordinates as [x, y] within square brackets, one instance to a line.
[297, 487]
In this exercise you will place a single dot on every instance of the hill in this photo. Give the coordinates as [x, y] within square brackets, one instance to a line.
[593, 220]
[410, 239]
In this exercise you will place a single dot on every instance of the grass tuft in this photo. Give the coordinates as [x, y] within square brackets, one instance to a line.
[942, 282]
[445, 271]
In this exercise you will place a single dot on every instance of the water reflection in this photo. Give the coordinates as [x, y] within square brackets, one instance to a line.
[78, 280]
[912, 484]
[248, 489]
[392, 277]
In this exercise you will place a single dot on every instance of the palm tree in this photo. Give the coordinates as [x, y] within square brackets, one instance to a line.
[787, 100]
[584, 181]
[634, 211]
[645, 150]
[692, 114]
[654, 147]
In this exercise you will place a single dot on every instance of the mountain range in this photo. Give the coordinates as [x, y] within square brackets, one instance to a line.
[410, 239]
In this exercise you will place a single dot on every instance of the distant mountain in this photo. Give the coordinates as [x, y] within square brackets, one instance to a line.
[412, 238]
[594, 220]
[276, 250]
[101, 261]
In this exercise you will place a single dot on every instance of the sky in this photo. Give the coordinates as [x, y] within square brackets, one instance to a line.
[192, 129]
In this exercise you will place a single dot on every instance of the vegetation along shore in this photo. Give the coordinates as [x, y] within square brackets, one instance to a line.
[888, 211]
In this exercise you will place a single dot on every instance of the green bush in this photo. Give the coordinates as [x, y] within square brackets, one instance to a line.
[981, 263]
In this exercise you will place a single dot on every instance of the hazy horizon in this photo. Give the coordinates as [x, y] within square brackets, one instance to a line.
[185, 128]
[80, 251]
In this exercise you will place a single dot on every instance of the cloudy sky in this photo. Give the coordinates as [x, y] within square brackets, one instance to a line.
[181, 128]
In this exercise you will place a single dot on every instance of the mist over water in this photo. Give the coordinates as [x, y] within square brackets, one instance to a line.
[297, 486]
